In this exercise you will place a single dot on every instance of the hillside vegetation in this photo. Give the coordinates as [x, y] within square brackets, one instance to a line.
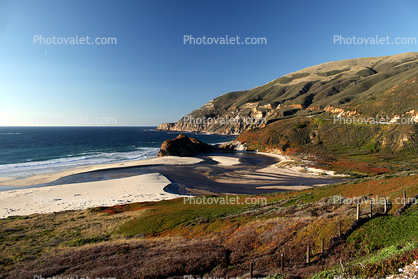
[356, 149]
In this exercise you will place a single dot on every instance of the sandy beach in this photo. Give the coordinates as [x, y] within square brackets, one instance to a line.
[147, 180]
[146, 187]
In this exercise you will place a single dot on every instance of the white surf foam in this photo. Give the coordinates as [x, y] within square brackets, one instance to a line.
[70, 161]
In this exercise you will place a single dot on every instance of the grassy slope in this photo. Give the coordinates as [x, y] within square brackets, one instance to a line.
[358, 148]
[354, 149]
[233, 235]
[333, 83]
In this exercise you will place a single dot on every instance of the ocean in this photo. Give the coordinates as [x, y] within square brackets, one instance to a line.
[27, 151]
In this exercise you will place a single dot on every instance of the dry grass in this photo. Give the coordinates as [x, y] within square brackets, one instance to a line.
[163, 258]
[28, 237]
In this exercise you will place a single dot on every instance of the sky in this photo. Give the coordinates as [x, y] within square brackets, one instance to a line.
[149, 75]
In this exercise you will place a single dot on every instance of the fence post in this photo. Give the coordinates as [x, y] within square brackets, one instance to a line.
[251, 270]
[358, 211]
[282, 262]
[404, 197]
[386, 206]
[322, 245]
[308, 254]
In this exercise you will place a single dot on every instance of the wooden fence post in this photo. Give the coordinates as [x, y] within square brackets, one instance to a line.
[404, 196]
[358, 211]
[282, 262]
[251, 270]
[322, 245]
[386, 206]
[308, 254]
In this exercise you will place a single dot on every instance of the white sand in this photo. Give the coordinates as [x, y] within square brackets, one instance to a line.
[225, 161]
[146, 187]
[140, 188]
[282, 158]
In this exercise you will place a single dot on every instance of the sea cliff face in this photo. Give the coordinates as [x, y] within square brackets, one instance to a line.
[341, 88]
[220, 122]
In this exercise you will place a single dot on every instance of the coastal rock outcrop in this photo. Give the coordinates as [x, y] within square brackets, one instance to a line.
[232, 146]
[184, 146]
[166, 126]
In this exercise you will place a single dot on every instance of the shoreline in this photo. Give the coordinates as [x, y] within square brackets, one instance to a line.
[38, 179]
[219, 174]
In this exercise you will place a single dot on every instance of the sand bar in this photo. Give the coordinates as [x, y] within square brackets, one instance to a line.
[3, 179]
[225, 161]
[49, 177]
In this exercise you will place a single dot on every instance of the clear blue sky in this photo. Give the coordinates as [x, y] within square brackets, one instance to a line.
[150, 76]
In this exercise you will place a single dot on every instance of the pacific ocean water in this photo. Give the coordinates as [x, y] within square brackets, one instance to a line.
[34, 150]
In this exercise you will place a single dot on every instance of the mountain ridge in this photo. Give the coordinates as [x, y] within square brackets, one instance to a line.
[331, 88]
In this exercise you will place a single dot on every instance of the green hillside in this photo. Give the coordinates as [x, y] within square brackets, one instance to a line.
[348, 85]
